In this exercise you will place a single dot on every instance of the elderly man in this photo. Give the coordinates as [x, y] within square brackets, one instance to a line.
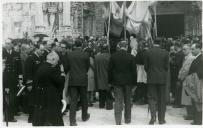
[49, 83]
[122, 70]
[196, 67]
[185, 98]
[156, 66]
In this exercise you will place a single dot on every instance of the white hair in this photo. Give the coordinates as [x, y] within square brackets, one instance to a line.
[52, 56]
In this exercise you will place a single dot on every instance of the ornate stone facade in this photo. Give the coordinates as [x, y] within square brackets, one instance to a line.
[62, 19]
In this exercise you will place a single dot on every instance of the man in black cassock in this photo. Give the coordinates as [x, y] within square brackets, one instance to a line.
[49, 85]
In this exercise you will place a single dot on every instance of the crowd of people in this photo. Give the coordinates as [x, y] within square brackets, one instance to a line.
[40, 78]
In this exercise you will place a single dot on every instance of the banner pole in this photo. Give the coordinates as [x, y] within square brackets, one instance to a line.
[124, 20]
[109, 20]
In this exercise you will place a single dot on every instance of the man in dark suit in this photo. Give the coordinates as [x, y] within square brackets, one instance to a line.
[178, 61]
[12, 75]
[122, 70]
[31, 65]
[78, 63]
[197, 67]
[156, 66]
[101, 62]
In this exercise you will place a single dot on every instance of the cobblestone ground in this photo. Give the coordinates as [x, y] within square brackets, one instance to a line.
[101, 117]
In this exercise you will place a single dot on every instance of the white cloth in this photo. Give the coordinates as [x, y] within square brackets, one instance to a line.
[138, 13]
[141, 74]
[133, 43]
[117, 11]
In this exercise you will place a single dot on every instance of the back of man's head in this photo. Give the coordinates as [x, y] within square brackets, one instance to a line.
[78, 43]
[123, 44]
[157, 41]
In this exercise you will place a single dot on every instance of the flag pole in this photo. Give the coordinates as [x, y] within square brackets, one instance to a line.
[155, 21]
[124, 20]
[82, 19]
[109, 20]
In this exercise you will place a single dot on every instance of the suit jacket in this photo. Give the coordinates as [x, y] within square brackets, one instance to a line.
[13, 68]
[197, 66]
[101, 62]
[122, 69]
[156, 65]
[78, 63]
[31, 66]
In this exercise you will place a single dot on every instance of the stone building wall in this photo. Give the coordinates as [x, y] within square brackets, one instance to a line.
[19, 18]
[192, 20]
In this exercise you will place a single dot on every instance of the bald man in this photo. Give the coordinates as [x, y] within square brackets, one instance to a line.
[49, 83]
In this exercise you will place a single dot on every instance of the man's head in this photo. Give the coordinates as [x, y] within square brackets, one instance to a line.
[53, 58]
[196, 48]
[157, 41]
[78, 43]
[123, 45]
[39, 49]
[63, 47]
[8, 44]
[178, 47]
[186, 49]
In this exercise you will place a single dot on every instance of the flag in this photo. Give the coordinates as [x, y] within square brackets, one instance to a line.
[116, 22]
[139, 18]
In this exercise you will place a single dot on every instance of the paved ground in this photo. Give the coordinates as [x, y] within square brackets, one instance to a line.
[140, 116]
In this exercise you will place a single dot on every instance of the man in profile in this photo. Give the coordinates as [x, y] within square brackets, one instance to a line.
[156, 66]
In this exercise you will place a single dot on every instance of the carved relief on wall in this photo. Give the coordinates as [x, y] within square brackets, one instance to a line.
[51, 12]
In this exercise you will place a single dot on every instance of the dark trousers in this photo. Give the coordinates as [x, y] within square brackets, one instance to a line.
[197, 119]
[122, 94]
[105, 99]
[140, 94]
[10, 81]
[157, 100]
[76, 92]
[178, 94]
[190, 111]
[9, 105]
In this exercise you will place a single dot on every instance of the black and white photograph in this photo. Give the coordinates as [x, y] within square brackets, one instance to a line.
[88, 63]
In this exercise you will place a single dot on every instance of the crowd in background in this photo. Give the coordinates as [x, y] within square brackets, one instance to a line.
[22, 58]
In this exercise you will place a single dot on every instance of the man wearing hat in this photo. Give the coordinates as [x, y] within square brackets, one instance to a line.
[122, 75]
[12, 75]
[156, 66]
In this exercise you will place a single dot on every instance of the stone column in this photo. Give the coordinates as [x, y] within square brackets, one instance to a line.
[39, 20]
[66, 13]
[65, 27]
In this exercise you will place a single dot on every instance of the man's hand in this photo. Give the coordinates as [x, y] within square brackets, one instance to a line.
[20, 82]
[7, 90]
[29, 88]
[61, 68]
